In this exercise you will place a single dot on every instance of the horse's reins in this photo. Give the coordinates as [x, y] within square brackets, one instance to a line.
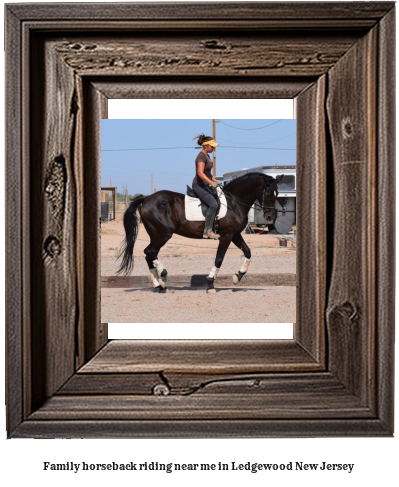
[261, 207]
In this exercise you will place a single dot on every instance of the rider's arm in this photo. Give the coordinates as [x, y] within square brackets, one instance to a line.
[200, 172]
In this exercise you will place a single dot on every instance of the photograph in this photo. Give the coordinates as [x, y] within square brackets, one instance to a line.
[199, 239]
[203, 211]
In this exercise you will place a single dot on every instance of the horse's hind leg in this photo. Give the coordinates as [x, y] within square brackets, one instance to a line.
[153, 271]
[162, 272]
[239, 242]
[157, 270]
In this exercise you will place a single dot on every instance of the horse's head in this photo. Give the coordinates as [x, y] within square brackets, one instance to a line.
[268, 199]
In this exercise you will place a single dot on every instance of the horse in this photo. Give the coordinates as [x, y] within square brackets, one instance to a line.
[163, 214]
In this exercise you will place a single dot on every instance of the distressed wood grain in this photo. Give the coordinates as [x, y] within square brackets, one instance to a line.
[362, 14]
[132, 384]
[197, 87]
[204, 407]
[311, 218]
[215, 428]
[200, 356]
[385, 224]
[15, 175]
[209, 54]
[64, 62]
[352, 125]
[185, 384]
[95, 332]
[53, 202]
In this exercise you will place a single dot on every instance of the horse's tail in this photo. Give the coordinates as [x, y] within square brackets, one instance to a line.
[130, 222]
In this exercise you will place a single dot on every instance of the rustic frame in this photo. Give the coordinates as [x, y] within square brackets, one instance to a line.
[336, 376]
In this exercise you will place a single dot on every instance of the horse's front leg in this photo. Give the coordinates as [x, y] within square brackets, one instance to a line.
[224, 243]
[239, 242]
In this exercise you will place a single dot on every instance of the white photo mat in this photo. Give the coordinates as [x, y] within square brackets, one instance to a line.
[186, 108]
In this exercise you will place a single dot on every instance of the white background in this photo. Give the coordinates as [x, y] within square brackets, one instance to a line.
[184, 109]
[22, 460]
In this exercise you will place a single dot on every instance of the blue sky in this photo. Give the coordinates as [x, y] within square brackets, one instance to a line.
[272, 142]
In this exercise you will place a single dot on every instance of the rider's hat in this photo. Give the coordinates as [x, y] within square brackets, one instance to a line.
[206, 140]
[210, 142]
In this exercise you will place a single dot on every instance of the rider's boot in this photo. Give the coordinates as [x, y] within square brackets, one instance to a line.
[209, 219]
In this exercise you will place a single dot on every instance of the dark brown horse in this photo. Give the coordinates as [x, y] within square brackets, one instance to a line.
[163, 214]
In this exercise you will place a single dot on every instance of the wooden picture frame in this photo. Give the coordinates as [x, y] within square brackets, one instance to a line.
[335, 378]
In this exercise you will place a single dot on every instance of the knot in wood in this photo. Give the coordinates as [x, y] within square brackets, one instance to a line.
[90, 47]
[213, 44]
[117, 62]
[54, 185]
[51, 249]
[349, 310]
[161, 390]
[50, 188]
[346, 310]
[347, 128]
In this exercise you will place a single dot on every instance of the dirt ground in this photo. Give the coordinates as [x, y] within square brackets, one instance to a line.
[235, 304]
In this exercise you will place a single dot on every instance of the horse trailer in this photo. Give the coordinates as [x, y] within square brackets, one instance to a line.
[285, 203]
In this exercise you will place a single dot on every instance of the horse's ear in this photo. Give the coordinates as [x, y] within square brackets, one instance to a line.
[279, 178]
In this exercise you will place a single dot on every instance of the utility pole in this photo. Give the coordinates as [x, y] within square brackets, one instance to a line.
[214, 150]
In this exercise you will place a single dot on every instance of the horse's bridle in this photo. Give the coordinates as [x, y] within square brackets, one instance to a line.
[268, 211]
[267, 215]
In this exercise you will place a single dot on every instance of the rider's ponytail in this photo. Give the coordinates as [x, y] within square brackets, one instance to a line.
[201, 139]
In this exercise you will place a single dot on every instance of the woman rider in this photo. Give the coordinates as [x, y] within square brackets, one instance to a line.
[203, 178]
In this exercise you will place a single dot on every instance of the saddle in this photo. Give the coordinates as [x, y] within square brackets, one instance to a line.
[196, 209]
[204, 206]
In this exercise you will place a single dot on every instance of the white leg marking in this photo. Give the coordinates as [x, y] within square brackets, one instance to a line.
[245, 265]
[159, 268]
[158, 265]
[214, 272]
[154, 277]
[243, 270]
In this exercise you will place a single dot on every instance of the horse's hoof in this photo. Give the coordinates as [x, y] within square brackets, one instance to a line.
[211, 291]
[162, 290]
[162, 285]
[237, 277]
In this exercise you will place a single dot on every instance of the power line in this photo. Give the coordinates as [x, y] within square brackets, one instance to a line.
[286, 137]
[147, 148]
[165, 148]
[228, 134]
[258, 148]
[264, 141]
[258, 128]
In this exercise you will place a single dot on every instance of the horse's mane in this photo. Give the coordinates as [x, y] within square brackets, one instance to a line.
[250, 176]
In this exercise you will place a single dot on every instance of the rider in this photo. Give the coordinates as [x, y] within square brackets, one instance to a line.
[203, 178]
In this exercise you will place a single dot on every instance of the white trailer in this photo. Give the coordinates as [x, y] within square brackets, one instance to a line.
[285, 203]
